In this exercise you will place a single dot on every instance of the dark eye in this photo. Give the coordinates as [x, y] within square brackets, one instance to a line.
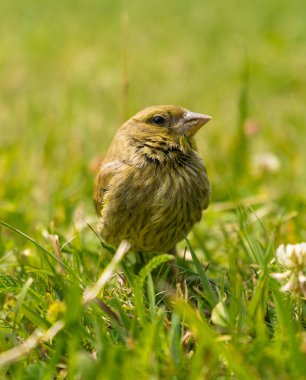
[159, 120]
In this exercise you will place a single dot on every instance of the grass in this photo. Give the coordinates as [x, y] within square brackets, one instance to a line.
[70, 73]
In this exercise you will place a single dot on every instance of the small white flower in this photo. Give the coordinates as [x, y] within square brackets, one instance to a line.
[266, 162]
[293, 258]
[292, 255]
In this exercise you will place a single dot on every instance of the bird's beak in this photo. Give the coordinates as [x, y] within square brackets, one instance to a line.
[192, 122]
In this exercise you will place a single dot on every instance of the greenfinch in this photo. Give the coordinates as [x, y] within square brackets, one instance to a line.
[152, 185]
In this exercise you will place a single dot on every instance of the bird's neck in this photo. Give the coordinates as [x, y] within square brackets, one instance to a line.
[160, 150]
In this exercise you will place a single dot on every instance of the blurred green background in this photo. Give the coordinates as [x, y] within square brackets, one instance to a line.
[72, 71]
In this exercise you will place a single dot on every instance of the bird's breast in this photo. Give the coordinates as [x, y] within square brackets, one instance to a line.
[155, 205]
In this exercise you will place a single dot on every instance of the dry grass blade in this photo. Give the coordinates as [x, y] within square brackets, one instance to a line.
[24, 348]
[92, 293]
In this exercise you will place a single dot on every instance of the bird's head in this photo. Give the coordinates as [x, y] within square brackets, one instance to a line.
[171, 122]
[162, 133]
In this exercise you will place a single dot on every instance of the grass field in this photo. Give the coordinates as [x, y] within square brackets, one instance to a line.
[70, 73]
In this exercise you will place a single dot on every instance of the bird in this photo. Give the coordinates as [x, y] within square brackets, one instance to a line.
[152, 185]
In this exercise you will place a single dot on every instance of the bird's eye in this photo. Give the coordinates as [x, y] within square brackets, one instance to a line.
[159, 120]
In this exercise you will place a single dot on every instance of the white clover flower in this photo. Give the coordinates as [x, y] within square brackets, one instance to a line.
[292, 255]
[293, 258]
[266, 162]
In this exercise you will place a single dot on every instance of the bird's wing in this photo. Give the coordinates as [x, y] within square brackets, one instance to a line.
[206, 200]
[102, 181]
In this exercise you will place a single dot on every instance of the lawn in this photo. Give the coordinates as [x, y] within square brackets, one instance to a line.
[70, 73]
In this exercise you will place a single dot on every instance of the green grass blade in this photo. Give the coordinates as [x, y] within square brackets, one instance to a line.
[211, 297]
[49, 254]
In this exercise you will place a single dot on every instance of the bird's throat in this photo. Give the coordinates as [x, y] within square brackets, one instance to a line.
[161, 153]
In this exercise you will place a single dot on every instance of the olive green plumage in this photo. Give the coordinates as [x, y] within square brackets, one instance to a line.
[152, 185]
